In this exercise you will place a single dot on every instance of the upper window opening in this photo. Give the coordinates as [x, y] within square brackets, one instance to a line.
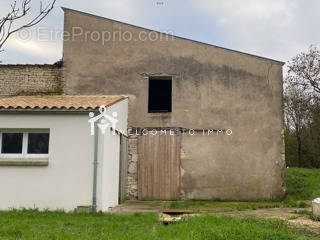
[160, 94]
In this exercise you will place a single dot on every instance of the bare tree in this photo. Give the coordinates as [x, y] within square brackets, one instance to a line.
[302, 108]
[297, 113]
[16, 14]
[304, 70]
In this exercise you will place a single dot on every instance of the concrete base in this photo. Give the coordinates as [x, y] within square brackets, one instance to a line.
[316, 208]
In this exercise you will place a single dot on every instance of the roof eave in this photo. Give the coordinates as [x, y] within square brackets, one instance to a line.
[15, 110]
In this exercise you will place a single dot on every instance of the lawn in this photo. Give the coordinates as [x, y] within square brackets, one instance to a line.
[30, 224]
[302, 184]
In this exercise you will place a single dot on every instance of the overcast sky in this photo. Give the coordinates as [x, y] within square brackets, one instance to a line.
[276, 29]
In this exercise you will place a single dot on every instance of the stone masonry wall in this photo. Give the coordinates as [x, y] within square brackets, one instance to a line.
[132, 176]
[29, 79]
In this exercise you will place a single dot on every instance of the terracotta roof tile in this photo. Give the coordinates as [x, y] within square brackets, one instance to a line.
[58, 102]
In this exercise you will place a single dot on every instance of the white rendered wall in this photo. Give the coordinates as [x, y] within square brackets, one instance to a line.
[67, 181]
[109, 160]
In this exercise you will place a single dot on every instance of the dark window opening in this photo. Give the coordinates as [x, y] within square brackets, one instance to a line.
[160, 95]
[38, 143]
[11, 143]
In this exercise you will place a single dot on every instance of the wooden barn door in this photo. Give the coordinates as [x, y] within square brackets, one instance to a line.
[159, 167]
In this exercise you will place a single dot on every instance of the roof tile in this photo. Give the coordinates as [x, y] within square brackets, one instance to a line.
[59, 102]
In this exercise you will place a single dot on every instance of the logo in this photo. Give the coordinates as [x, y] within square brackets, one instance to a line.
[103, 120]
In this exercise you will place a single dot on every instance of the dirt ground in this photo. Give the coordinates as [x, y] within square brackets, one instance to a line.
[298, 220]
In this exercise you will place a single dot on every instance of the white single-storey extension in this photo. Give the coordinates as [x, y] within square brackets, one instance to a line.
[49, 158]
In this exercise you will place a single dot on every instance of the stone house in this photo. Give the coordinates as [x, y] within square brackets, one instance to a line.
[204, 122]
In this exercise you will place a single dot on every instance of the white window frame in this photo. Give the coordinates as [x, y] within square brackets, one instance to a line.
[25, 136]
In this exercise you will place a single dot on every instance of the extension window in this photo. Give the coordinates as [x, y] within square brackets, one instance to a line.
[160, 95]
[24, 144]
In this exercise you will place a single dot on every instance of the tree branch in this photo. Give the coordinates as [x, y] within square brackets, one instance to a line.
[16, 14]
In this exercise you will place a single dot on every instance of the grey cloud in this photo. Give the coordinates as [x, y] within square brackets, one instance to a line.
[275, 28]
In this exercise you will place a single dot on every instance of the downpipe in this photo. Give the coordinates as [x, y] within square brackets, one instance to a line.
[95, 169]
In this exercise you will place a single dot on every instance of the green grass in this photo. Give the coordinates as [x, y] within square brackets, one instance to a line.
[302, 184]
[303, 212]
[212, 205]
[35, 225]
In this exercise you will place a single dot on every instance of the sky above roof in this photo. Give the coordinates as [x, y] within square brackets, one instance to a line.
[277, 29]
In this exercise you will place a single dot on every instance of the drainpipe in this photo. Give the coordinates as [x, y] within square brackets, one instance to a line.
[95, 169]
